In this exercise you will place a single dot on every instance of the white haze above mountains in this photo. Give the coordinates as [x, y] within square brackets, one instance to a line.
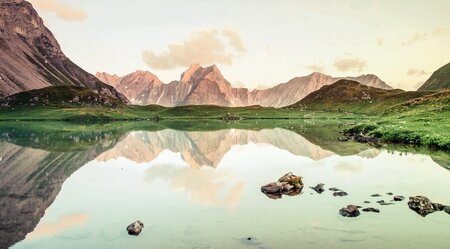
[206, 86]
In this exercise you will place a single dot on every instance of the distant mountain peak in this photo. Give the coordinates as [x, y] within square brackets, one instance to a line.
[186, 75]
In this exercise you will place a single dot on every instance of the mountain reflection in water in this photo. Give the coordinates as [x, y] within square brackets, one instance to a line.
[34, 164]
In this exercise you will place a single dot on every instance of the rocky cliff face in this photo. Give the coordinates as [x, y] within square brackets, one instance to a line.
[207, 86]
[31, 58]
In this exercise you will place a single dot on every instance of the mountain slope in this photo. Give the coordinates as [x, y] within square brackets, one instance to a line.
[351, 96]
[439, 80]
[31, 58]
[207, 86]
[59, 96]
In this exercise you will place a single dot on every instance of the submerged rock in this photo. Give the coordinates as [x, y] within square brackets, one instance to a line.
[135, 228]
[399, 198]
[375, 210]
[334, 189]
[340, 193]
[366, 201]
[421, 205]
[319, 188]
[288, 184]
[349, 211]
[383, 203]
[389, 193]
[376, 195]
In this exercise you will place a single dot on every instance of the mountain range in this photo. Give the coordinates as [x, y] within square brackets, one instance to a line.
[31, 57]
[207, 86]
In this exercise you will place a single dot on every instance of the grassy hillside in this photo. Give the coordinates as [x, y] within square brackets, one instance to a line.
[351, 96]
[421, 121]
[439, 80]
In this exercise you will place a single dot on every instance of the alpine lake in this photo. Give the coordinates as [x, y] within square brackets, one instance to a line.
[198, 185]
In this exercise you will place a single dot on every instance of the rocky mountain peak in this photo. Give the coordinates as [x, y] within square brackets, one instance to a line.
[31, 57]
[186, 75]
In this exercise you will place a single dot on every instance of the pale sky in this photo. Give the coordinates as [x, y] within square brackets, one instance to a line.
[255, 43]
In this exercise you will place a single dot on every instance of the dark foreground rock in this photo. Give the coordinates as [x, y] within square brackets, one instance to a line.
[349, 211]
[340, 193]
[374, 210]
[288, 184]
[319, 188]
[135, 228]
[422, 205]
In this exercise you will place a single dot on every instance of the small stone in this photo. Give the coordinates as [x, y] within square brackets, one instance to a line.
[399, 198]
[383, 203]
[366, 201]
[319, 188]
[135, 228]
[349, 211]
[375, 210]
[340, 193]
[447, 209]
[389, 193]
[334, 189]
[376, 195]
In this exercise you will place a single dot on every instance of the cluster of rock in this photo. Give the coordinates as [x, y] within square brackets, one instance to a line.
[289, 184]
[232, 117]
[292, 185]
[319, 188]
[359, 137]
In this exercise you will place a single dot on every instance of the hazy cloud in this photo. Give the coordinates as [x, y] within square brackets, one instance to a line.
[61, 10]
[417, 37]
[204, 47]
[63, 223]
[415, 71]
[349, 63]
[212, 187]
[380, 41]
[315, 68]
[234, 38]
[439, 31]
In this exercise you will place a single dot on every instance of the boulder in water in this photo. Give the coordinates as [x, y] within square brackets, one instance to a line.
[349, 211]
[289, 184]
[135, 228]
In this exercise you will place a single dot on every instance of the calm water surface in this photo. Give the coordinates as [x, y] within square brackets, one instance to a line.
[201, 189]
